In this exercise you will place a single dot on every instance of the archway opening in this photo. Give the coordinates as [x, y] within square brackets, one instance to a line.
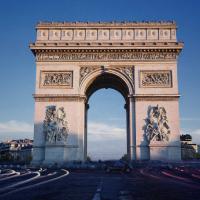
[107, 118]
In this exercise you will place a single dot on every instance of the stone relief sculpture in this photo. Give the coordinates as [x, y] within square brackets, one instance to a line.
[56, 79]
[155, 79]
[128, 71]
[157, 128]
[55, 127]
[84, 71]
[121, 56]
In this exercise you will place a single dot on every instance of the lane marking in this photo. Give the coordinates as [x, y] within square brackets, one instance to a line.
[21, 182]
[97, 195]
[196, 176]
[12, 172]
[16, 174]
[176, 177]
[37, 184]
[150, 175]
[125, 195]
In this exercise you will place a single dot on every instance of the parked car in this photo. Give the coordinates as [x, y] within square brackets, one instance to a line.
[118, 166]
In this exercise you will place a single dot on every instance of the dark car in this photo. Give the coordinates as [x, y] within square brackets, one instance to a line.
[118, 166]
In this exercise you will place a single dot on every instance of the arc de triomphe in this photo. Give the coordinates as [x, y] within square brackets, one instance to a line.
[73, 60]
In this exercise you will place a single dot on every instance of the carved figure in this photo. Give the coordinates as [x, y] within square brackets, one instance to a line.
[157, 128]
[84, 71]
[55, 127]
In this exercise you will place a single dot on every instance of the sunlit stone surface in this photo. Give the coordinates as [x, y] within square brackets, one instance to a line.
[139, 60]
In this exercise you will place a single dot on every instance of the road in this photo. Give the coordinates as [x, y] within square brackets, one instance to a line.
[142, 183]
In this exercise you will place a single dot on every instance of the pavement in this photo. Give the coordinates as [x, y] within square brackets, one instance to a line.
[148, 182]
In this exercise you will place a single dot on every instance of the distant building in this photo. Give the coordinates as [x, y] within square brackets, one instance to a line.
[188, 148]
[16, 150]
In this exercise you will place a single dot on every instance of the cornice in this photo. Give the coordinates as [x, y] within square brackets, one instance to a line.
[58, 97]
[154, 97]
[77, 97]
[134, 24]
[106, 45]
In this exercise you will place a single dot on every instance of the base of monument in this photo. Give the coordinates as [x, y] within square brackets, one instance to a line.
[55, 154]
[36, 163]
[165, 152]
[62, 154]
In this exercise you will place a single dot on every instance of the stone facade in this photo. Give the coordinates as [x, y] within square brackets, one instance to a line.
[139, 60]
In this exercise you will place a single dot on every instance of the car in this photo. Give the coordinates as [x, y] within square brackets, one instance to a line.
[118, 166]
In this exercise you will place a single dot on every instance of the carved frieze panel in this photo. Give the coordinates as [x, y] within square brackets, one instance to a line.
[108, 56]
[152, 34]
[79, 34]
[67, 34]
[56, 79]
[162, 78]
[127, 34]
[164, 34]
[91, 34]
[103, 34]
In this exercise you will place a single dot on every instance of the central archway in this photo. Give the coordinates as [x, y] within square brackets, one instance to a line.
[106, 125]
[108, 79]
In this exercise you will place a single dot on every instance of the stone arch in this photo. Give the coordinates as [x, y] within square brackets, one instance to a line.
[94, 73]
[117, 79]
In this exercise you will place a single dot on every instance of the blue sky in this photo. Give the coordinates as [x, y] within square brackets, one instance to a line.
[17, 22]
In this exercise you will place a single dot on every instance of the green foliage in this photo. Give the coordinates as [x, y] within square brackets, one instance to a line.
[6, 157]
[197, 155]
[88, 159]
[125, 158]
[186, 137]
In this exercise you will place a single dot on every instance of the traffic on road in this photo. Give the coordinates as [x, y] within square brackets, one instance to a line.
[114, 181]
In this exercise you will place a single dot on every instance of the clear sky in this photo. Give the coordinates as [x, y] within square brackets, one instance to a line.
[17, 75]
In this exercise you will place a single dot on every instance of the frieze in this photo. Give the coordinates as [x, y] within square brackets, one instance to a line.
[107, 56]
[156, 78]
[55, 79]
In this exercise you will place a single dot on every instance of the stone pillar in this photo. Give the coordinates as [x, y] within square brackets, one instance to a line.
[85, 131]
[126, 107]
[132, 131]
[82, 131]
[39, 140]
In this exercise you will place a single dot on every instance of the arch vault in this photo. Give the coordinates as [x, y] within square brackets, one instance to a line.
[75, 59]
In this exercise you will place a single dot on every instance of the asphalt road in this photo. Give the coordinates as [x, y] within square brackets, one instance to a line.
[151, 183]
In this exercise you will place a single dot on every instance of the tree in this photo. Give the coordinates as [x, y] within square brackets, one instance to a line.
[186, 137]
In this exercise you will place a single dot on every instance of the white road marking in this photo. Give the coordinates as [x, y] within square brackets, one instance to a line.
[12, 172]
[196, 176]
[14, 175]
[37, 184]
[97, 195]
[21, 182]
[125, 195]
[51, 174]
